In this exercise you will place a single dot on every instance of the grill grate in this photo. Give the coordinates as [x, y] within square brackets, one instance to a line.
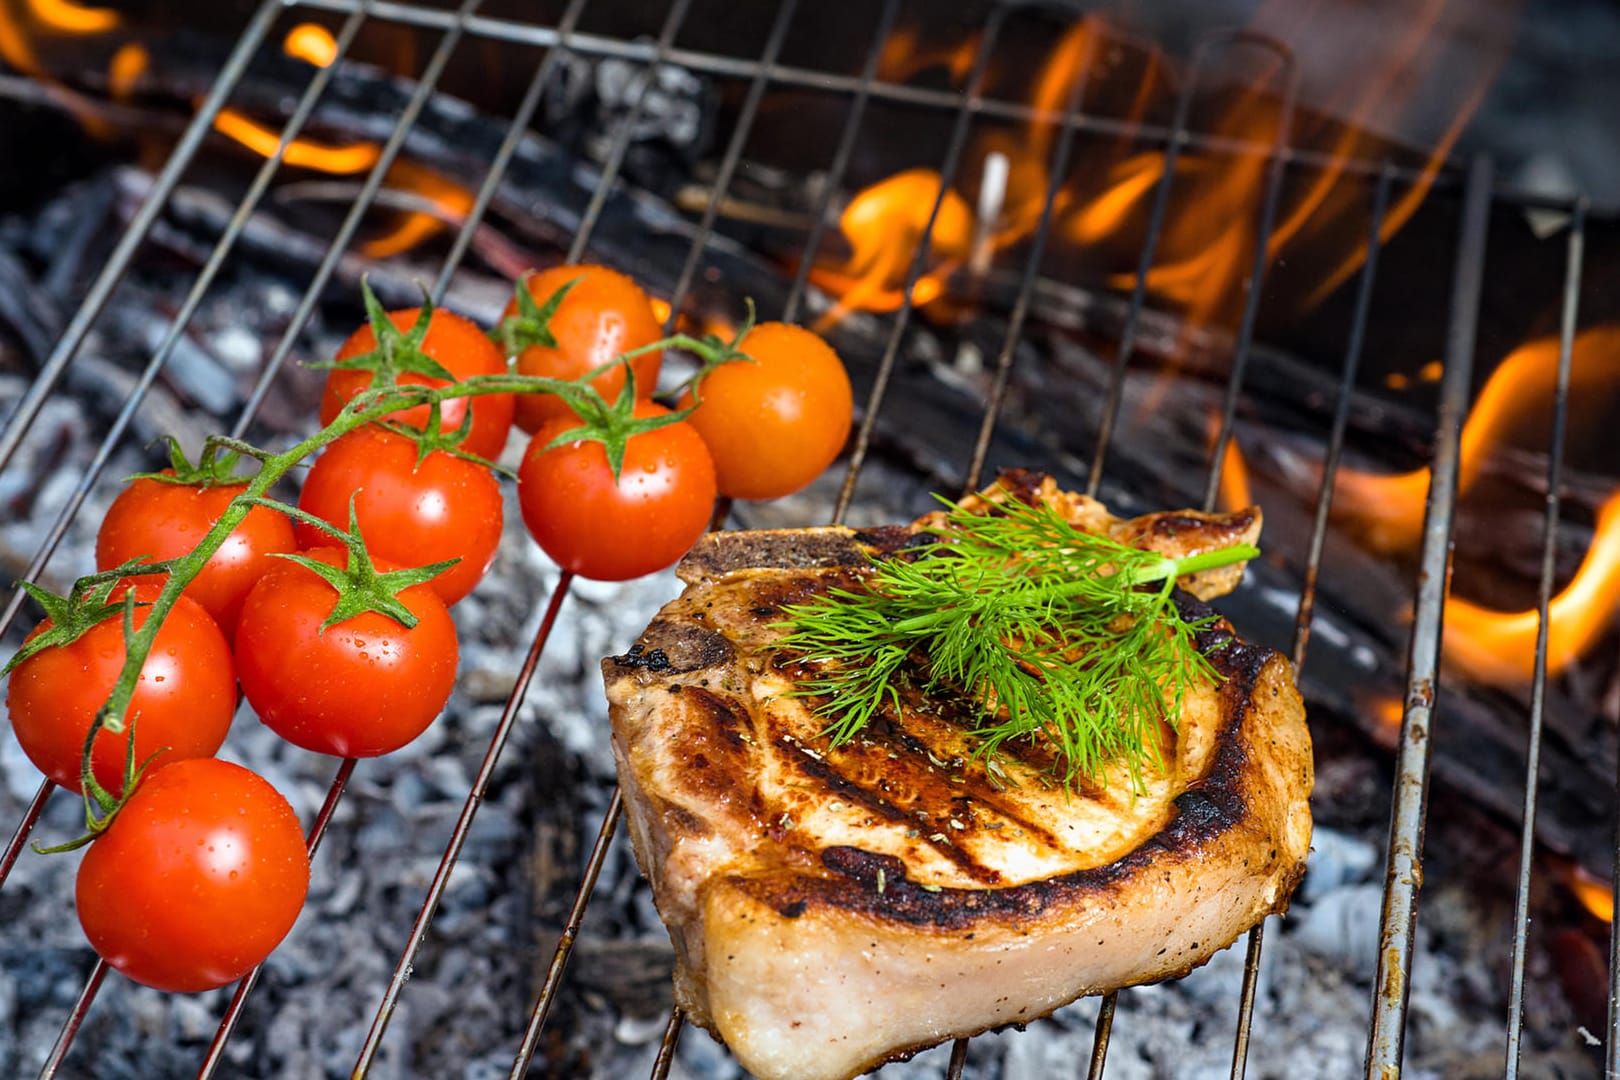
[762, 75]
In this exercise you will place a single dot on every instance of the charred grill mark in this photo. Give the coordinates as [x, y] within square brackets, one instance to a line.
[640, 657]
[724, 715]
[1212, 807]
[720, 553]
[674, 646]
[1213, 528]
[1021, 484]
[894, 540]
[785, 590]
[812, 765]
[935, 776]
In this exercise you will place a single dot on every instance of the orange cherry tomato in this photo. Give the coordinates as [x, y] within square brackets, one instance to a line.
[603, 315]
[774, 424]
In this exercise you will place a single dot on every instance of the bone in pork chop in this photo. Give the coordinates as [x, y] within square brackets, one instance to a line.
[836, 907]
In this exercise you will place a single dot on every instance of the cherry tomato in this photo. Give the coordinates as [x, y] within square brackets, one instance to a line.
[362, 687]
[775, 424]
[611, 531]
[461, 347]
[151, 518]
[197, 879]
[603, 315]
[184, 700]
[412, 514]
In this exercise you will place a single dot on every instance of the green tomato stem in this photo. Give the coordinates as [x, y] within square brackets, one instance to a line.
[364, 408]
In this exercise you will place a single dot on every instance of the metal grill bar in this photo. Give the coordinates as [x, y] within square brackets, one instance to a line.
[233, 1012]
[967, 108]
[839, 82]
[1405, 865]
[160, 358]
[615, 160]
[426, 84]
[458, 838]
[840, 160]
[1116, 387]
[1407, 819]
[1057, 170]
[1538, 687]
[118, 262]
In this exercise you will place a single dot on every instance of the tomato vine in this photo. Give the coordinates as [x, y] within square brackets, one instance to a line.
[381, 402]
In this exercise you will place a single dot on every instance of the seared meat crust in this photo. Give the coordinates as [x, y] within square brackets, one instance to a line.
[833, 908]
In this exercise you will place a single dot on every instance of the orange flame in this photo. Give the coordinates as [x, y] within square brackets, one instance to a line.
[64, 18]
[1235, 491]
[450, 201]
[1595, 894]
[885, 224]
[303, 153]
[70, 18]
[1389, 712]
[1500, 647]
[451, 204]
[311, 43]
[125, 69]
[904, 57]
[1389, 509]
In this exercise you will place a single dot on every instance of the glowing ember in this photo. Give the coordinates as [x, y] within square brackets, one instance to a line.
[1500, 647]
[311, 43]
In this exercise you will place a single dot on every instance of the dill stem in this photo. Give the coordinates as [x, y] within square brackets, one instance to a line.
[1193, 564]
[1162, 570]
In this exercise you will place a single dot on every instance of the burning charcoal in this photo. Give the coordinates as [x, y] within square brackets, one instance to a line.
[27, 312]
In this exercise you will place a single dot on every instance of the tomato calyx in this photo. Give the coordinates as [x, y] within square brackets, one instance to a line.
[712, 351]
[360, 586]
[434, 439]
[612, 425]
[211, 469]
[87, 605]
[531, 324]
[397, 352]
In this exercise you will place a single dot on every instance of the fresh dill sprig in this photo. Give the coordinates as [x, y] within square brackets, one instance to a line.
[1047, 631]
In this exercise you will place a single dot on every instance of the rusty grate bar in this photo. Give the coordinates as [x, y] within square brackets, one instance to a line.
[1404, 873]
[1253, 290]
[970, 105]
[967, 107]
[1538, 689]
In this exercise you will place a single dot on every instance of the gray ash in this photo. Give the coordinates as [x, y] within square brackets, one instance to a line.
[465, 1006]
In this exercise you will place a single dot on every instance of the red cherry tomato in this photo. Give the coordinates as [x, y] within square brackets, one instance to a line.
[603, 315]
[461, 347]
[412, 514]
[184, 701]
[151, 518]
[613, 531]
[775, 424]
[363, 687]
[197, 879]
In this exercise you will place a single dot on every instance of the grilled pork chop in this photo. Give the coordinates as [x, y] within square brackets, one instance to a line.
[833, 908]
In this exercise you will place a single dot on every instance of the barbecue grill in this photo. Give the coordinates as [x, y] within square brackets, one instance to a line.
[1471, 188]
